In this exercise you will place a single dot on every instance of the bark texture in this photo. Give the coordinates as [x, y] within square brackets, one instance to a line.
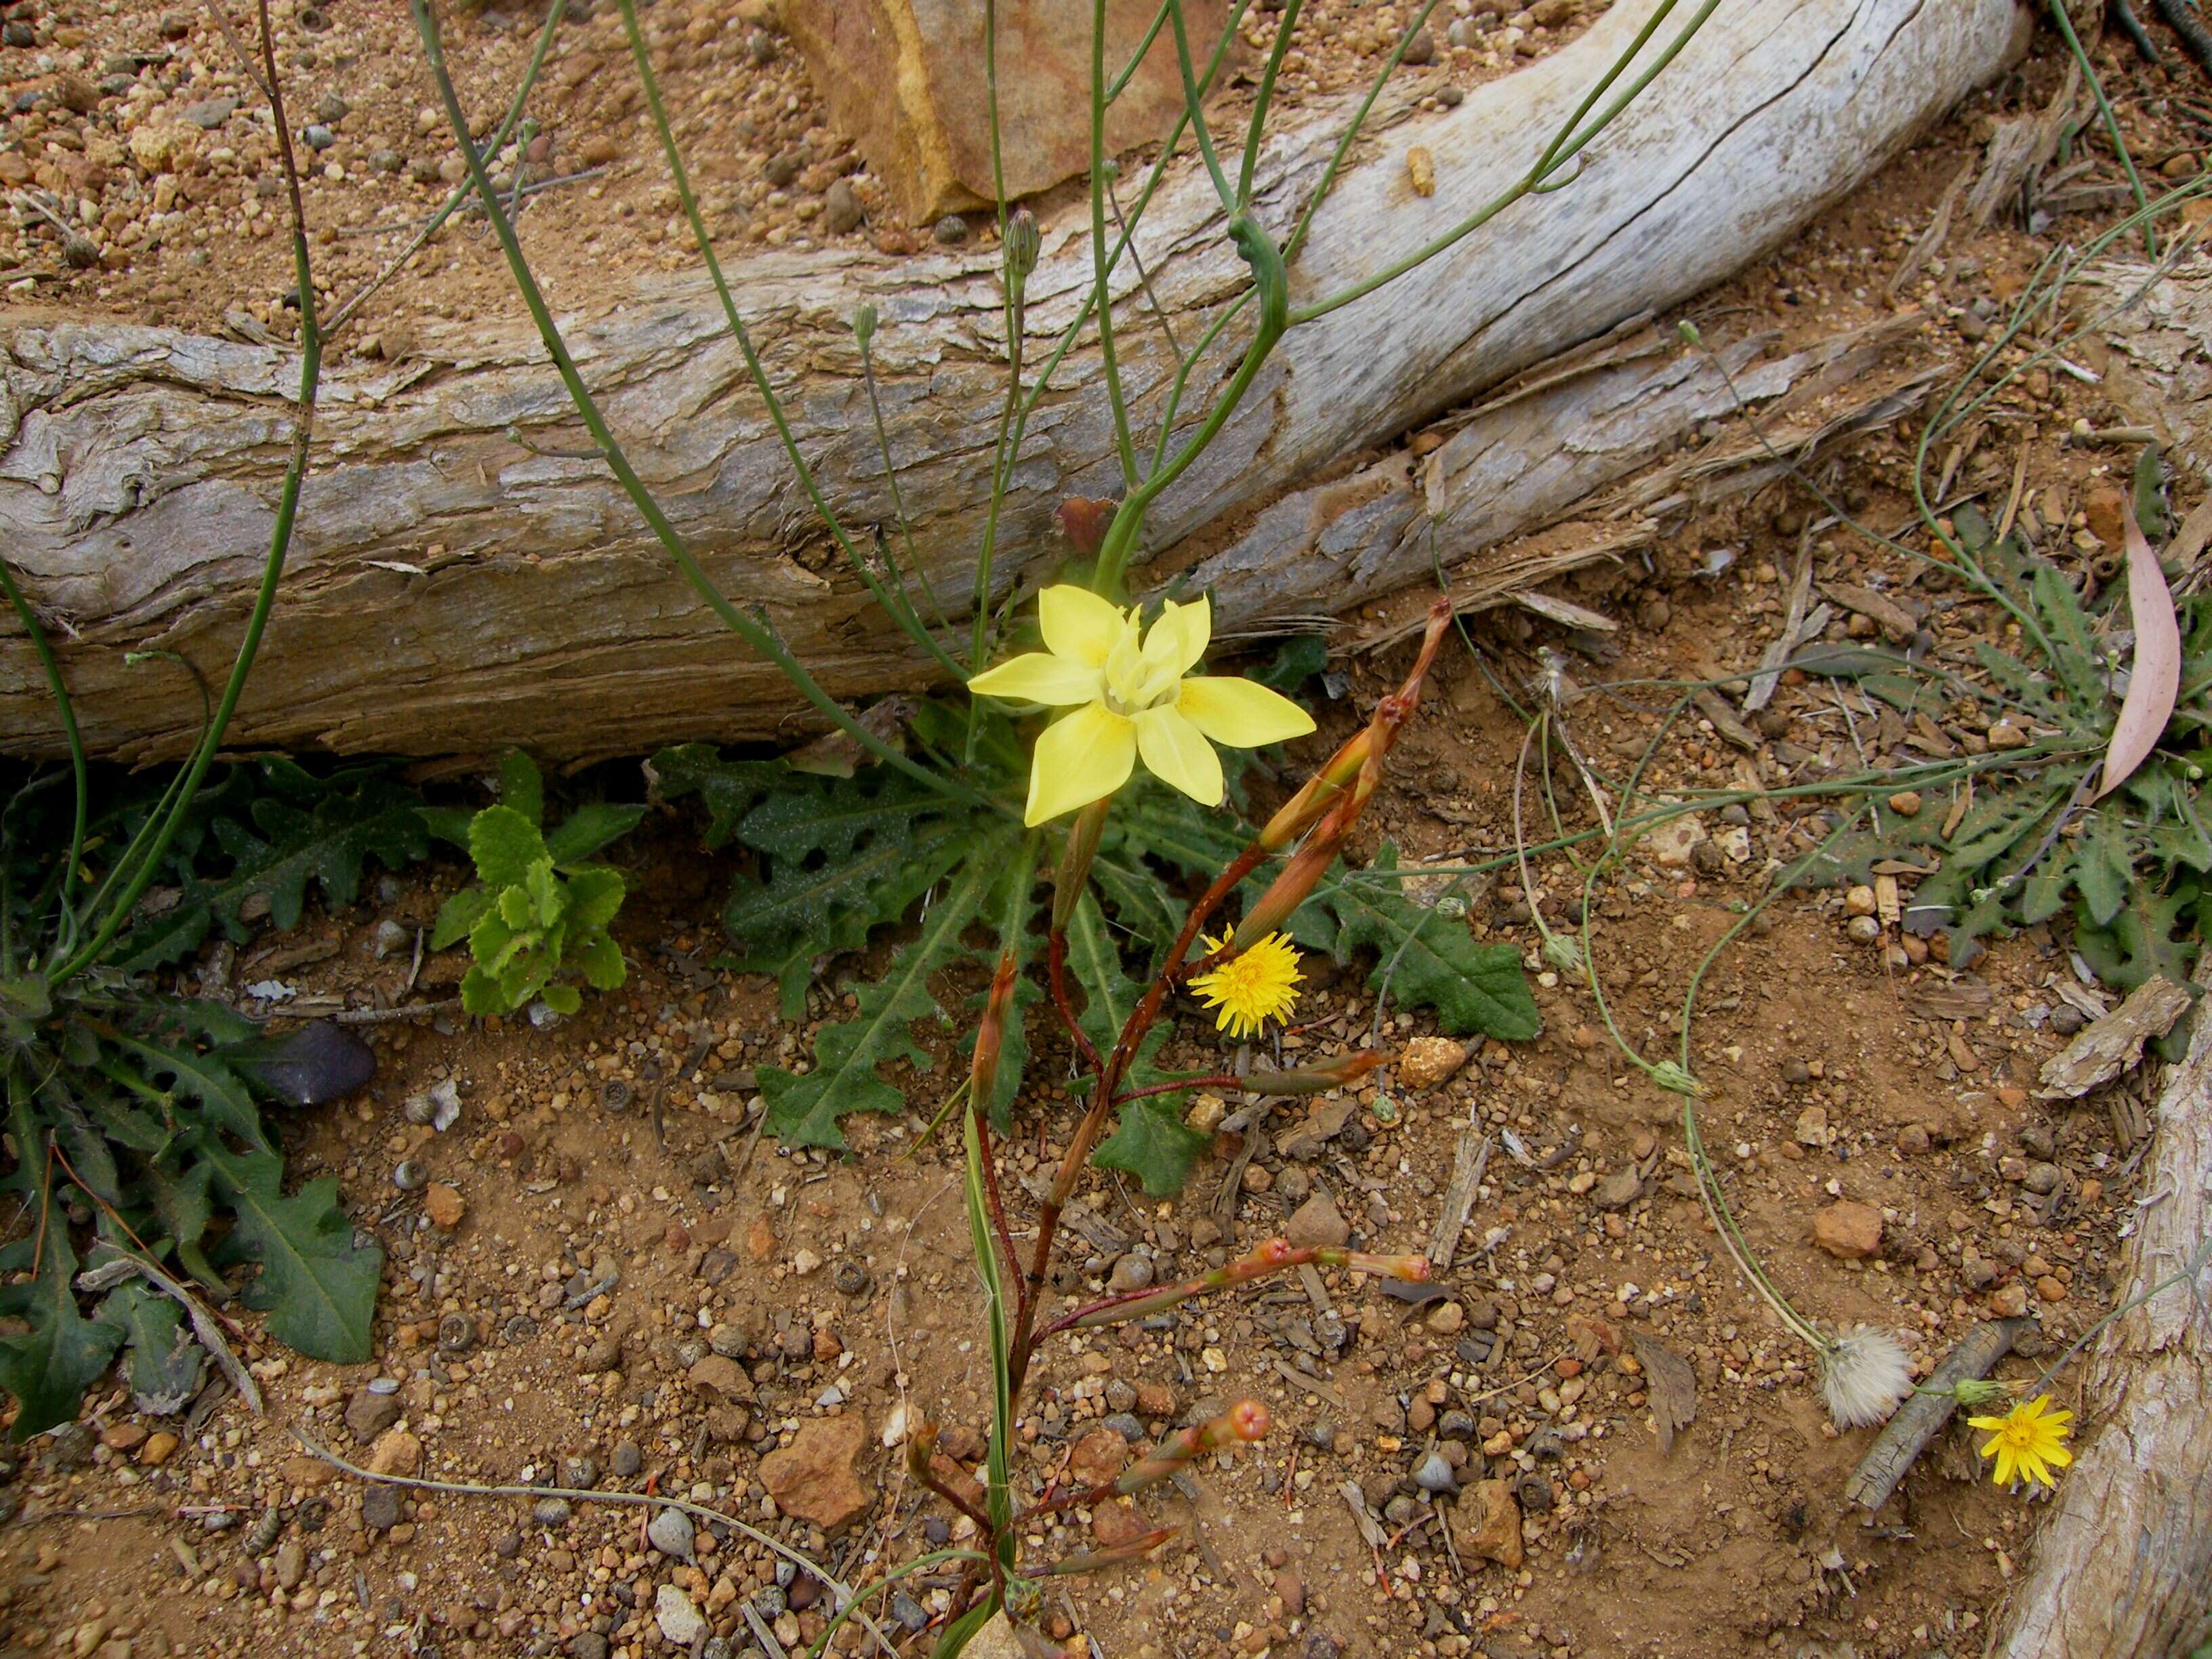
[462, 580]
[2123, 1570]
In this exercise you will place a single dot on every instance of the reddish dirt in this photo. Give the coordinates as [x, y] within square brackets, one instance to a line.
[596, 1262]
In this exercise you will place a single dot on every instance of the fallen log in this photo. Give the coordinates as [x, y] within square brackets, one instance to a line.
[2120, 1570]
[463, 580]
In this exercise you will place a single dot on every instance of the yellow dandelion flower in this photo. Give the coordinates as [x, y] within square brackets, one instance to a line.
[1257, 984]
[2027, 1442]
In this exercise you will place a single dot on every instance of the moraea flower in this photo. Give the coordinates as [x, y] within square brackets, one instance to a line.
[2027, 1442]
[1132, 694]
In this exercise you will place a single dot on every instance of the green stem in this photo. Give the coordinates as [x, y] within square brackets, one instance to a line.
[908, 623]
[1197, 113]
[762, 639]
[2111, 121]
[1352, 133]
[919, 1563]
[280, 542]
[1101, 267]
[898, 504]
[1285, 26]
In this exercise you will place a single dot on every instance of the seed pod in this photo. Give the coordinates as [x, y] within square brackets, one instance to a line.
[1022, 246]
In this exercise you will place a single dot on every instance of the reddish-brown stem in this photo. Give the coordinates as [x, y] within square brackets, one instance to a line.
[1102, 1100]
[1224, 1081]
[1055, 958]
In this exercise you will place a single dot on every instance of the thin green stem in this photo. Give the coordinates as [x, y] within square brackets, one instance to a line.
[1562, 149]
[1351, 134]
[919, 1563]
[1183, 375]
[761, 638]
[1196, 112]
[1285, 26]
[459, 194]
[280, 542]
[2104, 110]
[1619, 67]
[898, 504]
[680, 175]
[1102, 268]
[1120, 83]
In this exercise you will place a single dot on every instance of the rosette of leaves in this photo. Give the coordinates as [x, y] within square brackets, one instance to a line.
[838, 863]
[145, 1178]
[536, 918]
[2027, 844]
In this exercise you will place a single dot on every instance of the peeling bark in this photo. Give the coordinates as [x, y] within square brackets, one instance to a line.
[453, 590]
[2122, 1570]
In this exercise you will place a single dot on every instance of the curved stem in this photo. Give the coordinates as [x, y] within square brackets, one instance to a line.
[761, 638]
[280, 542]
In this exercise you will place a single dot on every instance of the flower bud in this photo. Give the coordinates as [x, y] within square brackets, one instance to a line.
[1295, 883]
[864, 325]
[990, 1033]
[1409, 1269]
[1246, 1421]
[1339, 1074]
[1074, 870]
[1021, 247]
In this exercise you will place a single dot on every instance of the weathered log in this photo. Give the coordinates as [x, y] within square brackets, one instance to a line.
[453, 589]
[2121, 1570]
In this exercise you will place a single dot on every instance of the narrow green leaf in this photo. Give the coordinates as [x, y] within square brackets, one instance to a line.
[589, 828]
[457, 915]
[521, 787]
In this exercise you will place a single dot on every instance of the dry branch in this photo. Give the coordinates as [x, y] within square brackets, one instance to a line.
[2122, 1570]
[453, 589]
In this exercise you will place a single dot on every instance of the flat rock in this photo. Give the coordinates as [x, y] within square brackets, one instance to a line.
[678, 1616]
[996, 1640]
[904, 78]
[1672, 844]
[1428, 1061]
[1324, 1121]
[1317, 1225]
[1848, 1229]
[210, 114]
[722, 1378]
[1489, 1524]
[369, 1414]
[813, 1477]
[396, 1452]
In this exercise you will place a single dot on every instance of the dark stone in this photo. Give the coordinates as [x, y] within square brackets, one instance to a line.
[380, 1508]
[628, 1459]
[368, 1413]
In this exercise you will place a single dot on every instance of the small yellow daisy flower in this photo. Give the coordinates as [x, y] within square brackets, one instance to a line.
[1257, 984]
[2027, 1442]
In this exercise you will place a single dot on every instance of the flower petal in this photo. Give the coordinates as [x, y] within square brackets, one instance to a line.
[1036, 676]
[1239, 713]
[1179, 638]
[2058, 1457]
[1081, 758]
[1177, 753]
[1080, 625]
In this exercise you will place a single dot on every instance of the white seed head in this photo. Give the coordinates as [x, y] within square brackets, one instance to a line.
[1864, 1375]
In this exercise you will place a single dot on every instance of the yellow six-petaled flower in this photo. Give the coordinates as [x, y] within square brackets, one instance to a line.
[1255, 986]
[1132, 694]
[2027, 1442]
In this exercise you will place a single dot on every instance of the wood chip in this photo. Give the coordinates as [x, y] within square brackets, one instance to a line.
[1468, 1159]
[1312, 1385]
[1894, 619]
[2114, 1043]
[1725, 722]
